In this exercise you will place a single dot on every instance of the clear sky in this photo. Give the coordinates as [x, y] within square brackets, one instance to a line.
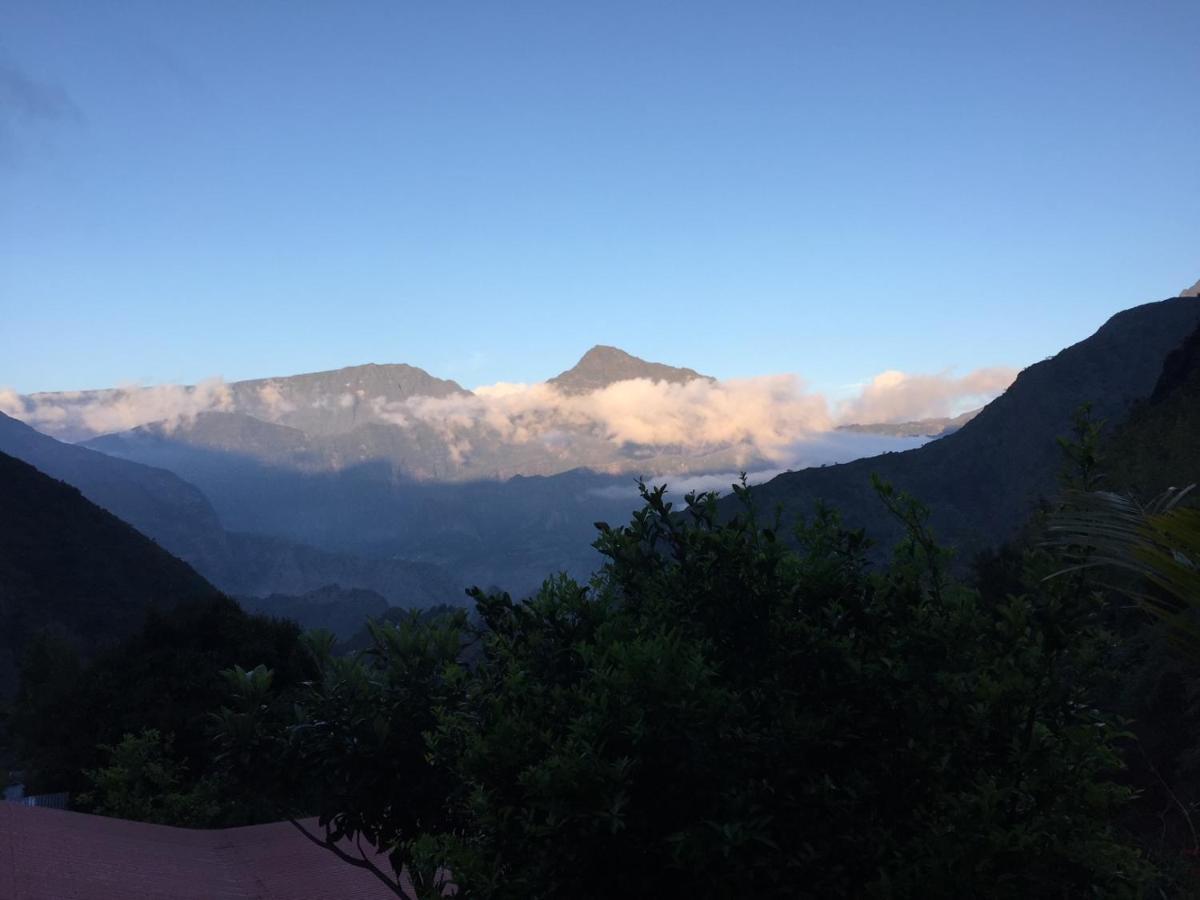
[487, 189]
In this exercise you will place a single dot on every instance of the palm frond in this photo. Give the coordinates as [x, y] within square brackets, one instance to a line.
[1158, 541]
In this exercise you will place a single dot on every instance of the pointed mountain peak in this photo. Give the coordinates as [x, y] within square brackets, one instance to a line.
[604, 365]
[1193, 291]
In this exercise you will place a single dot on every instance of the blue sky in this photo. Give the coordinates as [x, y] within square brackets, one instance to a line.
[486, 190]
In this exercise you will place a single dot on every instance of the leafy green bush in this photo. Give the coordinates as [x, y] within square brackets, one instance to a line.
[143, 781]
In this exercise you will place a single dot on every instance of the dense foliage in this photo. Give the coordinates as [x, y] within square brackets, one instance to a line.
[1145, 554]
[719, 715]
[143, 780]
[70, 719]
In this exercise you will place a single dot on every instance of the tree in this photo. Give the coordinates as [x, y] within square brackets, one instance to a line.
[1158, 542]
[143, 781]
[166, 678]
[1112, 543]
[721, 715]
[350, 747]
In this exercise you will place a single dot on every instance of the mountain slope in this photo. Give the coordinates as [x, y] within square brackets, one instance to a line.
[68, 566]
[983, 481]
[156, 502]
[603, 365]
[1158, 446]
[336, 401]
[339, 610]
[173, 512]
[265, 565]
[318, 403]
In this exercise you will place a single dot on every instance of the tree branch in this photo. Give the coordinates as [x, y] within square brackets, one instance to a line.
[363, 863]
[1171, 794]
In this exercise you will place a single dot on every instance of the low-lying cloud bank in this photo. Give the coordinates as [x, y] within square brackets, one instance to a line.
[901, 397]
[768, 418]
[75, 415]
[763, 414]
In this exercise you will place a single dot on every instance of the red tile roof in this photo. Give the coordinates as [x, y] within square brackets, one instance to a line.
[49, 854]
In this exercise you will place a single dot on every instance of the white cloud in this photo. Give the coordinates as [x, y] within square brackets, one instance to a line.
[772, 419]
[765, 415]
[273, 401]
[894, 396]
[12, 403]
[86, 413]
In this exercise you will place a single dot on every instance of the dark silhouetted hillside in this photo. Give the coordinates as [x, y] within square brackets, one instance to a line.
[156, 502]
[180, 517]
[69, 567]
[1158, 446]
[982, 482]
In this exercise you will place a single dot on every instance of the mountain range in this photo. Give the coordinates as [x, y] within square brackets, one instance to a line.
[421, 427]
[387, 479]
